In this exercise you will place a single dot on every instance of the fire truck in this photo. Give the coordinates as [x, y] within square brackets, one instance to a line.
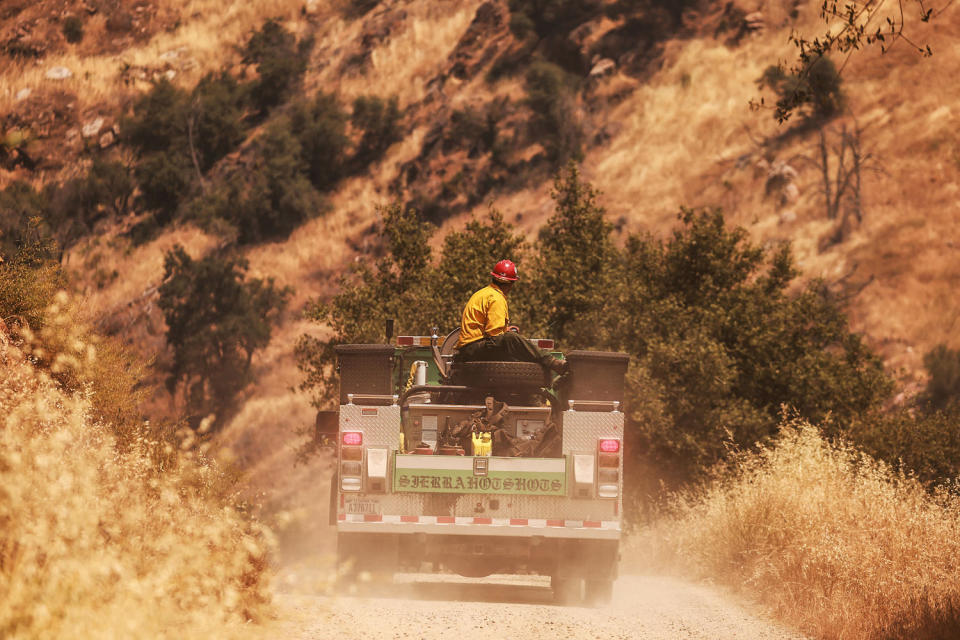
[478, 468]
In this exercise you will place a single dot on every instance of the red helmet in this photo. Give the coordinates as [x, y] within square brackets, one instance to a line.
[505, 271]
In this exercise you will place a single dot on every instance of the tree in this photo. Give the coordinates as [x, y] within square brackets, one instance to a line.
[320, 126]
[378, 122]
[280, 60]
[722, 345]
[216, 320]
[465, 263]
[575, 265]
[399, 287]
[554, 123]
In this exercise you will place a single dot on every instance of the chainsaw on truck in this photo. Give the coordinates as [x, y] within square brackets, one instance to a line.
[478, 468]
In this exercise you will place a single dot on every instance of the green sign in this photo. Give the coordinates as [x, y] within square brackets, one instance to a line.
[535, 483]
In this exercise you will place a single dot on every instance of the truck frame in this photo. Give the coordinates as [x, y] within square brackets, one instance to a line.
[401, 501]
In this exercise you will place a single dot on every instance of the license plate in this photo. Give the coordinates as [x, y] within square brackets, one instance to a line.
[364, 507]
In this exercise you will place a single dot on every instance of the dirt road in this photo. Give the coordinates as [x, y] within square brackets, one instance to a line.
[505, 607]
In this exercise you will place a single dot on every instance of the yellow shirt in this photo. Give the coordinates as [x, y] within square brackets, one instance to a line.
[485, 315]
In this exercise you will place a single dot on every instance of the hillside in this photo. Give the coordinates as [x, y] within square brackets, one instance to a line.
[664, 121]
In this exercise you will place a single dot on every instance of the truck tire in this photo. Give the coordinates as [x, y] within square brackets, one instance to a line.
[567, 591]
[509, 376]
[598, 592]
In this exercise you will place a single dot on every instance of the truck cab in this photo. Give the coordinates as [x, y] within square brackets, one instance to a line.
[482, 468]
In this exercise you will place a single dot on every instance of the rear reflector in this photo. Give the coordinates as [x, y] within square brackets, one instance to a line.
[545, 344]
[608, 460]
[411, 341]
[351, 453]
[405, 341]
[609, 446]
[352, 438]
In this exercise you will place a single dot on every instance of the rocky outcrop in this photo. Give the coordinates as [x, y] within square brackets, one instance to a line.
[486, 36]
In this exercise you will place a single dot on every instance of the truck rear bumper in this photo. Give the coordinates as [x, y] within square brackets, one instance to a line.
[479, 526]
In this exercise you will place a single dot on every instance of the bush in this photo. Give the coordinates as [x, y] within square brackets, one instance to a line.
[179, 137]
[73, 29]
[320, 127]
[360, 8]
[214, 118]
[216, 320]
[553, 122]
[943, 385]
[281, 62]
[815, 89]
[29, 279]
[378, 122]
[24, 218]
[104, 192]
[475, 130]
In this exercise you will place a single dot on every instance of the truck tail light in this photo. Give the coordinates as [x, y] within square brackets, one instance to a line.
[545, 344]
[609, 445]
[608, 468]
[351, 461]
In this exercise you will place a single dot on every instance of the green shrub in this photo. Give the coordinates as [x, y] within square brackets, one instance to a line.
[943, 386]
[378, 121]
[553, 123]
[267, 200]
[73, 29]
[815, 89]
[104, 192]
[216, 321]
[164, 179]
[158, 121]
[321, 130]
[214, 118]
[24, 217]
[360, 8]
[281, 62]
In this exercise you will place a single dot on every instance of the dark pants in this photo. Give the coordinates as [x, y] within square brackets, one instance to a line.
[506, 347]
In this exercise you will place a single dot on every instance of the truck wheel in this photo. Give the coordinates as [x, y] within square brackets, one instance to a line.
[566, 591]
[598, 592]
[502, 375]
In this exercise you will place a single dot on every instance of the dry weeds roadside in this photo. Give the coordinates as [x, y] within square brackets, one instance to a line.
[99, 544]
[831, 541]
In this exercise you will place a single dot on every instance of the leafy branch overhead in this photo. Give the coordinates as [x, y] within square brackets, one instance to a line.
[853, 25]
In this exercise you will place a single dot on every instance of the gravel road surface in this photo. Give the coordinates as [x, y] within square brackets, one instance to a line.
[445, 607]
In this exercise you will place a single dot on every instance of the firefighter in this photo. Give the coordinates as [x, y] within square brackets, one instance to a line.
[485, 330]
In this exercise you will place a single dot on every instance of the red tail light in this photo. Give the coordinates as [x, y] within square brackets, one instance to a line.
[352, 438]
[609, 446]
[405, 341]
[545, 344]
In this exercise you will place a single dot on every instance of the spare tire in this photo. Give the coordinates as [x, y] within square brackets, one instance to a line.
[509, 376]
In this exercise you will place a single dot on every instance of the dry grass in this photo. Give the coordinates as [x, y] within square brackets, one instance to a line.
[834, 542]
[96, 544]
[207, 36]
[404, 63]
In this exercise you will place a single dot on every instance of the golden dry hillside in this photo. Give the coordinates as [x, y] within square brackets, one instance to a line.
[667, 128]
